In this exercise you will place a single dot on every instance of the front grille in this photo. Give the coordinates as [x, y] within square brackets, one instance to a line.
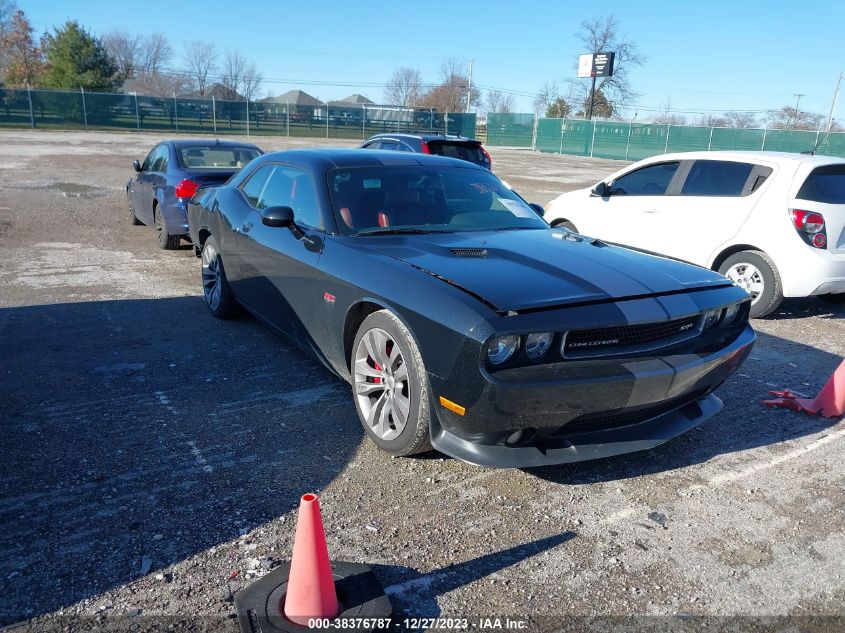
[610, 340]
[604, 421]
[470, 252]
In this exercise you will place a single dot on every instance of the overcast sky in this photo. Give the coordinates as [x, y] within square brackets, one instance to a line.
[702, 56]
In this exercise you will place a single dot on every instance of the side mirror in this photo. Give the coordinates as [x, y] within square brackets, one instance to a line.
[136, 165]
[277, 216]
[601, 190]
[537, 208]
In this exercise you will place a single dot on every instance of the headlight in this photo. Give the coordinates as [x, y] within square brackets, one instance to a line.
[731, 313]
[501, 348]
[538, 344]
[711, 318]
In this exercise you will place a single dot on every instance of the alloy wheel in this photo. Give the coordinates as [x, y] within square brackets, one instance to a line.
[211, 277]
[382, 384]
[748, 277]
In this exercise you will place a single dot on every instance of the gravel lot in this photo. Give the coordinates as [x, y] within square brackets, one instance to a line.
[153, 456]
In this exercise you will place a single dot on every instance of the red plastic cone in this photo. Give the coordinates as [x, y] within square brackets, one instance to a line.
[830, 401]
[310, 591]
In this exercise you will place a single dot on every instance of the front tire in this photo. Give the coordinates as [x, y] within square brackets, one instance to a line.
[165, 240]
[389, 386]
[756, 273]
[215, 286]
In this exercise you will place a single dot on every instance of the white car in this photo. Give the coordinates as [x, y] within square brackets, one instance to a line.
[772, 222]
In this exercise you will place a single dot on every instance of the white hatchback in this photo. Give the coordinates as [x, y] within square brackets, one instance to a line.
[772, 222]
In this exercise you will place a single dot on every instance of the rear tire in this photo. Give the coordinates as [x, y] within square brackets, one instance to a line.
[215, 285]
[389, 386]
[165, 240]
[756, 273]
[133, 220]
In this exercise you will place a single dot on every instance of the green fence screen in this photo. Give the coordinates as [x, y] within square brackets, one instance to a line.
[635, 141]
[57, 109]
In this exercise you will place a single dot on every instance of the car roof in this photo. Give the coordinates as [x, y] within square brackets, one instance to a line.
[426, 136]
[751, 156]
[202, 142]
[329, 158]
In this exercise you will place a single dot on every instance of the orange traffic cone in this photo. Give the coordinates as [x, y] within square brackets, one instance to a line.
[311, 592]
[830, 401]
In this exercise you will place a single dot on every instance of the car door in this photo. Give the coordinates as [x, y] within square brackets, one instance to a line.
[277, 267]
[150, 179]
[711, 202]
[139, 186]
[635, 195]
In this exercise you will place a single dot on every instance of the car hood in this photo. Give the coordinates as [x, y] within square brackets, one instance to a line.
[535, 269]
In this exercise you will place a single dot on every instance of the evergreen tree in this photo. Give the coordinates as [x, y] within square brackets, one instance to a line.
[75, 59]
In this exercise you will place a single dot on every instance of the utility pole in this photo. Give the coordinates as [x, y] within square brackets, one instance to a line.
[797, 101]
[469, 91]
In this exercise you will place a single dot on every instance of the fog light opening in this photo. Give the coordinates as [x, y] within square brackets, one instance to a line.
[520, 437]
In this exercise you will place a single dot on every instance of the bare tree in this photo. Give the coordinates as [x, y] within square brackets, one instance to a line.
[403, 87]
[200, 60]
[126, 49]
[740, 119]
[155, 54]
[234, 65]
[251, 80]
[790, 118]
[547, 95]
[499, 102]
[666, 116]
[452, 93]
[603, 34]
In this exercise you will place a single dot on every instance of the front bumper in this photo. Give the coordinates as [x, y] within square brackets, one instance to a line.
[578, 410]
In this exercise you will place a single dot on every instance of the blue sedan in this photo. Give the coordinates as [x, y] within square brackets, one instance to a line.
[170, 175]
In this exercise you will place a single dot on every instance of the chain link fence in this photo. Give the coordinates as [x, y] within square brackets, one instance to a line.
[635, 141]
[68, 110]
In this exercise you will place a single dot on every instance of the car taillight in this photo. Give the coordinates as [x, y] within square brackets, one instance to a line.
[425, 149]
[810, 226]
[186, 188]
[489, 160]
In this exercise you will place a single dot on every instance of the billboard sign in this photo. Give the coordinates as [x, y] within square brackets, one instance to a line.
[596, 65]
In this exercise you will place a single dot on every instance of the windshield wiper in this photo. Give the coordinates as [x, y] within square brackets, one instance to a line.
[517, 228]
[397, 231]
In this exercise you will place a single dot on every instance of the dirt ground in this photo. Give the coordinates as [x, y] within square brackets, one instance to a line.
[153, 456]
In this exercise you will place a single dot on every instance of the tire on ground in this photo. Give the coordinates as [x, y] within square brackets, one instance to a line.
[414, 438]
[228, 306]
[772, 293]
[165, 240]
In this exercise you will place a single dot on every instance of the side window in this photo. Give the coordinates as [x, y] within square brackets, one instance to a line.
[373, 145]
[404, 147]
[160, 161]
[394, 145]
[254, 185]
[292, 187]
[150, 159]
[648, 181]
[716, 178]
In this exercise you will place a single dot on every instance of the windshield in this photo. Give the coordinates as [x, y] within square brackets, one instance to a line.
[216, 157]
[412, 199]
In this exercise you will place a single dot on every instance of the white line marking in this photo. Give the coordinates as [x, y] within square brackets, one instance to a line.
[725, 478]
[201, 461]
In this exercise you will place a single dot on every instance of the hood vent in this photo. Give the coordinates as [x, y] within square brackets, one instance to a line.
[470, 252]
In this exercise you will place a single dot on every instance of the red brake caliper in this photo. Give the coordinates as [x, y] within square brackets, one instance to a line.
[378, 368]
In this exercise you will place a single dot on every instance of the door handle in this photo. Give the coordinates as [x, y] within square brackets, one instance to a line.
[246, 228]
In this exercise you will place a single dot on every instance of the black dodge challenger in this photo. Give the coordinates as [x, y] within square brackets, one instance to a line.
[460, 318]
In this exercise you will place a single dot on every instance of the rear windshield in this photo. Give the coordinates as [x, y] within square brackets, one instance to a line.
[215, 157]
[387, 198]
[465, 151]
[825, 184]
